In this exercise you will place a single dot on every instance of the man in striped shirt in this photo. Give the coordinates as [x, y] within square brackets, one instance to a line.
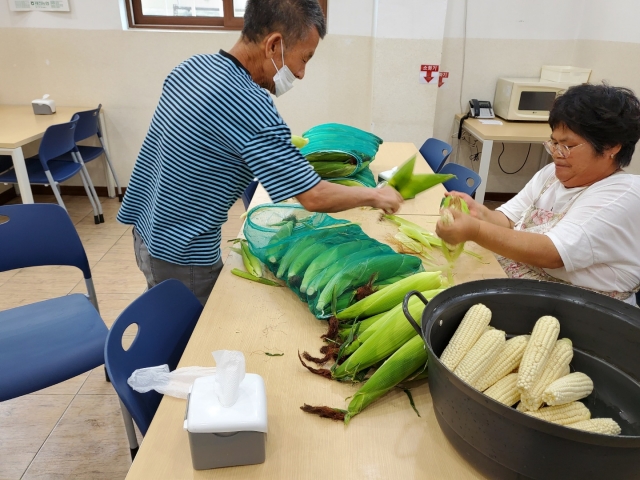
[216, 128]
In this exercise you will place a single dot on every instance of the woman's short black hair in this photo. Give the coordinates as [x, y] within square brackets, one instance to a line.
[603, 115]
[291, 18]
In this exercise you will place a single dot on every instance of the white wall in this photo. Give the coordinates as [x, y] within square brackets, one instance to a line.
[516, 37]
[83, 15]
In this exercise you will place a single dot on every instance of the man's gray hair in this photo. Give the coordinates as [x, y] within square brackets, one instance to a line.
[291, 18]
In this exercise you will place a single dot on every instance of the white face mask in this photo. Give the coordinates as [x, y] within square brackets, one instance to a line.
[283, 77]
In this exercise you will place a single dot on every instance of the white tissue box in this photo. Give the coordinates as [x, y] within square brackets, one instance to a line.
[226, 437]
[43, 106]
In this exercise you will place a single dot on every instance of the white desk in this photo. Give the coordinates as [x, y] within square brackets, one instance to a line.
[508, 132]
[20, 126]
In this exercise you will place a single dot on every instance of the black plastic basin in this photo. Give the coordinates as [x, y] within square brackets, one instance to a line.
[504, 443]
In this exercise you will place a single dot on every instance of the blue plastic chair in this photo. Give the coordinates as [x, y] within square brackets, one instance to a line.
[88, 126]
[46, 168]
[467, 180]
[435, 152]
[5, 163]
[47, 342]
[166, 315]
[248, 193]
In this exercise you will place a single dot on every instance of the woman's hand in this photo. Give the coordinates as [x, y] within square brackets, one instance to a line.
[464, 228]
[476, 209]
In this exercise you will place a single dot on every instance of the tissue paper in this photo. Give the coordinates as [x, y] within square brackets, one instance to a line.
[230, 369]
[175, 384]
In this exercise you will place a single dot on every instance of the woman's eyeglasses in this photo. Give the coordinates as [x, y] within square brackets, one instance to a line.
[557, 148]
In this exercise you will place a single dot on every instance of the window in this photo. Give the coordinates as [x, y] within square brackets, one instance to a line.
[189, 14]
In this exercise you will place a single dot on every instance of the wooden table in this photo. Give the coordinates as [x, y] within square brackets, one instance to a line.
[508, 132]
[20, 126]
[386, 441]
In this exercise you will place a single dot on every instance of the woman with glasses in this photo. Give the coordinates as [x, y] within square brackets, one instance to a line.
[578, 220]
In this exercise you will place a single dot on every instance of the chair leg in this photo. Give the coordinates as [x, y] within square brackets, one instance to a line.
[88, 187]
[113, 171]
[54, 187]
[131, 431]
[106, 375]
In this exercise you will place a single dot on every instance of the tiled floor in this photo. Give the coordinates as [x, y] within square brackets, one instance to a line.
[74, 430]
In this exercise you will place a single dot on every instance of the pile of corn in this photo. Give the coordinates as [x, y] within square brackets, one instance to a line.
[329, 263]
[340, 153]
[532, 371]
[376, 335]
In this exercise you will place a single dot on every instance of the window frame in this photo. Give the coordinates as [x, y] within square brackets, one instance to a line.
[136, 19]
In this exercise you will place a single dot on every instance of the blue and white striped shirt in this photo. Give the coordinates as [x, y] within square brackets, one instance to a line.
[213, 131]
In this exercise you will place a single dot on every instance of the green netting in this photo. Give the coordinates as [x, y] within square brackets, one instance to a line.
[339, 151]
[322, 259]
[364, 178]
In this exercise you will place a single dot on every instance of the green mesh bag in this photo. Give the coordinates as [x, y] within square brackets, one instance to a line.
[323, 260]
[339, 151]
[363, 178]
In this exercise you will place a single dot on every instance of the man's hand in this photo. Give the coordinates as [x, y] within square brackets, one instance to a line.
[388, 200]
[464, 228]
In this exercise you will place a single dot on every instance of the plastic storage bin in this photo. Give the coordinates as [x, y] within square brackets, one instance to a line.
[565, 74]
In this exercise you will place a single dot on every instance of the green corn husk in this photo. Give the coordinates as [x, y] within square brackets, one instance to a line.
[391, 316]
[384, 266]
[299, 249]
[299, 141]
[398, 367]
[330, 257]
[253, 278]
[333, 169]
[452, 252]
[430, 237]
[274, 252]
[347, 182]
[403, 175]
[387, 298]
[334, 254]
[250, 261]
[389, 337]
[362, 326]
[320, 281]
[421, 182]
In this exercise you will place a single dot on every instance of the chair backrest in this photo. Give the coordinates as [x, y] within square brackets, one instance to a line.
[166, 315]
[40, 234]
[435, 152]
[88, 124]
[467, 180]
[247, 195]
[5, 163]
[57, 140]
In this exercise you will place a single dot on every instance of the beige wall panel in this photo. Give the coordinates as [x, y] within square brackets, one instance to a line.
[125, 70]
[617, 63]
[486, 60]
[402, 109]
[336, 86]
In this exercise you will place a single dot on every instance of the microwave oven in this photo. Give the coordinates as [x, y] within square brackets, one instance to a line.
[527, 99]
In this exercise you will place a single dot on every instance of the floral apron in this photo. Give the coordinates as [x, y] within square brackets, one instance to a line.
[539, 220]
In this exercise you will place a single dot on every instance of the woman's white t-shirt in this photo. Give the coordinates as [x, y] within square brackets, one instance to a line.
[599, 237]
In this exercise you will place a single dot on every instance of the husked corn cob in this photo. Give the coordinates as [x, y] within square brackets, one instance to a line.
[557, 366]
[543, 338]
[524, 397]
[606, 426]
[567, 389]
[520, 407]
[563, 414]
[481, 355]
[504, 390]
[508, 359]
[468, 332]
